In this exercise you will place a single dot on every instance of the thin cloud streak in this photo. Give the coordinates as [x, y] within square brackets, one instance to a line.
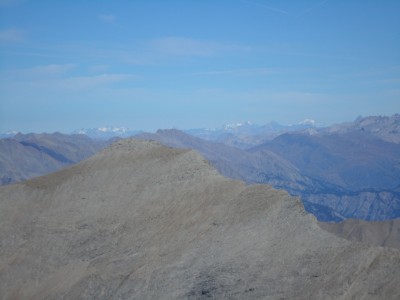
[43, 86]
[267, 7]
[11, 35]
[33, 74]
[244, 72]
[47, 70]
[284, 12]
[308, 10]
[107, 18]
[179, 46]
[390, 81]
[87, 82]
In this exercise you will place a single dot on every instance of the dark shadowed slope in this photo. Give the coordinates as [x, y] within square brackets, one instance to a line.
[354, 174]
[29, 155]
[353, 160]
[143, 221]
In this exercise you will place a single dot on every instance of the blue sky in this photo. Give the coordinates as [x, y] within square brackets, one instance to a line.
[66, 65]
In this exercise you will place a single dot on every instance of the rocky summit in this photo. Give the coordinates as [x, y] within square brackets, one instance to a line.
[143, 221]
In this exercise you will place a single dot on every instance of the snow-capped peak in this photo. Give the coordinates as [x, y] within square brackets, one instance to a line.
[106, 132]
[12, 132]
[308, 122]
[112, 129]
[237, 125]
[9, 134]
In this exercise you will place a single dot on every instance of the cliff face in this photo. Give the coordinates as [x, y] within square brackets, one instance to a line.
[144, 221]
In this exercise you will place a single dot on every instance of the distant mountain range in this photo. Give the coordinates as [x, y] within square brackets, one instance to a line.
[345, 171]
[349, 170]
[381, 127]
[246, 134]
[29, 155]
[242, 135]
[8, 134]
[233, 162]
[105, 133]
[354, 173]
[337, 177]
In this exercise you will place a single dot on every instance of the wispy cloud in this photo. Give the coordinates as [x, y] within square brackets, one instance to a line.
[98, 68]
[192, 47]
[389, 81]
[184, 46]
[11, 35]
[286, 12]
[271, 8]
[88, 82]
[61, 77]
[38, 72]
[258, 96]
[107, 18]
[49, 70]
[244, 72]
[308, 10]
[378, 72]
[45, 85]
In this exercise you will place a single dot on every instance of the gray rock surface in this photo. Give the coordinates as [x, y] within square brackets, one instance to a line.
[143, 221]
[381, 233]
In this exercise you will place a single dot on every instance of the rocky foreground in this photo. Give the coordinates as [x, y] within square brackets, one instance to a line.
[144, 221]
[381, 233]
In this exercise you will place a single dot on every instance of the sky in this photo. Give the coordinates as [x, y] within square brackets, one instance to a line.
[66, 65]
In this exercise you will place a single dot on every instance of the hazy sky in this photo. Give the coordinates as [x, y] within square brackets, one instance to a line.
[65, 65]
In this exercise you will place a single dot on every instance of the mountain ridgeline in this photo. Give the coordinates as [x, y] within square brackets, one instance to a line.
[349, 170]
[354, 174]
[140, 220]
[344, 171]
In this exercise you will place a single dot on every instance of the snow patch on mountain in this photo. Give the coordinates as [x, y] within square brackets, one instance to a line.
[107, 132]
[308, 122]
[237, 125]
[8, 134]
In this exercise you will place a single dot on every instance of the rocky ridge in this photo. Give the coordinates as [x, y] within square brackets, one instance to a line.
[144, 221]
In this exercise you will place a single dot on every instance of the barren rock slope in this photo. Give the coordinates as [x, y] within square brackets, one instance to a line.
[381, 233]
[143, 221]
